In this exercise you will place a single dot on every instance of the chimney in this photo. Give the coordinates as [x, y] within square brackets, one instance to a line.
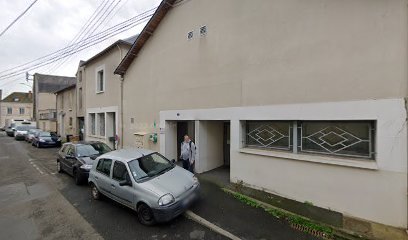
[30, 95]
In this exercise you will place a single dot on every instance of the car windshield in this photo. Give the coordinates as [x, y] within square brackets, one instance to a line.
[44, 134]
[149, 166]
[24, 128]
[32, 131]
[87, 150]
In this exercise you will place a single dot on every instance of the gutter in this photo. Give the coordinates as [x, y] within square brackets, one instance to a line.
[121, 100]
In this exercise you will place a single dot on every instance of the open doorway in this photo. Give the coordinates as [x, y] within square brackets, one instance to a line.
[183, 128]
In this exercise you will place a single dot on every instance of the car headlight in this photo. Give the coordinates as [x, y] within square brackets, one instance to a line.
[195, 181]
[166, 200]
[86, 166]
[42, 140]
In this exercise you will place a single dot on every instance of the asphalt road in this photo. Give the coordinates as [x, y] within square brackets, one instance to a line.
[36, 202]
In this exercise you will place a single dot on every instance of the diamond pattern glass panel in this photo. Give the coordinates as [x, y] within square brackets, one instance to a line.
[341, 138]
[268, 134]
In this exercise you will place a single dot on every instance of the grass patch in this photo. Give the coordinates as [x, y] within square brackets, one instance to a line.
[293, 219]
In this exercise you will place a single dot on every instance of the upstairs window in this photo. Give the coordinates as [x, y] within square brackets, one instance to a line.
[22, 111]
[9, 110]
[100, 81]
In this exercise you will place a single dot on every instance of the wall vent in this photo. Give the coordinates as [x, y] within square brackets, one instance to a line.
[203, 30]
[190, 35]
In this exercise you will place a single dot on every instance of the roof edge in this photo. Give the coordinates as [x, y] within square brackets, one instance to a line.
[144, 35]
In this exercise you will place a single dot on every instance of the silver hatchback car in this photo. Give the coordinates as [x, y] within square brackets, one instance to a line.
[144, 181]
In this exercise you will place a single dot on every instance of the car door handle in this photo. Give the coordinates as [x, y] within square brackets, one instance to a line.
[113, 186]
[96, 178]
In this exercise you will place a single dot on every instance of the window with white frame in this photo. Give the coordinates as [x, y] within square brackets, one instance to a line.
[101, 124]
[336, 138]
[22, 111]
[92, 124]
[100, 81]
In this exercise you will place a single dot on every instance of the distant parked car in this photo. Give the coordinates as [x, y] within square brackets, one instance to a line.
[144, 181]
[10, 132]
[31, 134]
[76, 159]
[46, 139]
[21, 131]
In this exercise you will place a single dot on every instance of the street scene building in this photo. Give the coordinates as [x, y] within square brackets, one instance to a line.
[100, 103]
[16, 106]
[66, 112]
[44, 88]
[303, 112]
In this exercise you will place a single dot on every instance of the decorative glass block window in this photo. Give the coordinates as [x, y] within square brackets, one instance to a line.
[342, 138]
[269, 134]
[336, 138]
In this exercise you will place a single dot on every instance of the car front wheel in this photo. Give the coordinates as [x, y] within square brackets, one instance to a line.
[145, 215]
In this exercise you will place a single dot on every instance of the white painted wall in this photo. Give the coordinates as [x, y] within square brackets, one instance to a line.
[210, 145]
[371, 190]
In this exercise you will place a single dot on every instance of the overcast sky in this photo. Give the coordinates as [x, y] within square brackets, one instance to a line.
[49, 26]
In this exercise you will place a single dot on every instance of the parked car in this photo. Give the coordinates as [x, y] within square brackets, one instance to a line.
[31, 133]
[46, 139]
[76, 159]
[145, 181]
[10, 132]
[21, 131]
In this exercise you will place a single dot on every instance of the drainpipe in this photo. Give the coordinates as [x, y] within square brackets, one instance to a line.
[121, 100]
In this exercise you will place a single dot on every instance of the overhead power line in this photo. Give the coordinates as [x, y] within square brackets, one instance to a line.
[65, 52]
[19, 16]
[93, 28]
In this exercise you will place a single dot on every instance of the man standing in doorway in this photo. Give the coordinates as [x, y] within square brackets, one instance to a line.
[188, 152]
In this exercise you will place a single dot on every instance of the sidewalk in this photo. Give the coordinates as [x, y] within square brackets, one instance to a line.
[244, 221]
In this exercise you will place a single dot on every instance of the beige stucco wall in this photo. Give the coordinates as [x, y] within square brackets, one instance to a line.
[66, 102]
[4, 117]
[80, 84]
[268, 53]
[280, 52]
[109, 100]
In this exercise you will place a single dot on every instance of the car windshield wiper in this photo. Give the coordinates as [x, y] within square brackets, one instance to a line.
[164, 170]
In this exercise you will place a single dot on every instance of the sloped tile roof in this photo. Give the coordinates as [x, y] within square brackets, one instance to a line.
[20, 97]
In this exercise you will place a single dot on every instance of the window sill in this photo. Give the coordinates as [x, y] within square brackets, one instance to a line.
[100, 92]
[96, 136]
[364, 164]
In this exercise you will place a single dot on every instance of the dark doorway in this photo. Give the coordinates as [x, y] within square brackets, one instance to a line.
[81, 126]
[182, 129]
[227, 127]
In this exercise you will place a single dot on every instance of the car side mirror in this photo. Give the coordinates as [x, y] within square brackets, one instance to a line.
[69, 157]
[173, 161]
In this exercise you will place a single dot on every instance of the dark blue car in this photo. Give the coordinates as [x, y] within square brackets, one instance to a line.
[46, 139]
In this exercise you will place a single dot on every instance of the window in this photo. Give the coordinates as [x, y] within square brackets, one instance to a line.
[119, 171]
[268, 134]
[92, 123]
[70, 121]
[104, 166]
[16, 99]
[336, 138]
[80, 76]
[80, 97]
[101, 123]
[22, 111]
[100, 81]
[9, 110]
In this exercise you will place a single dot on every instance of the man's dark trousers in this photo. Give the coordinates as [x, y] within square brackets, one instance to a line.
[186, 164]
